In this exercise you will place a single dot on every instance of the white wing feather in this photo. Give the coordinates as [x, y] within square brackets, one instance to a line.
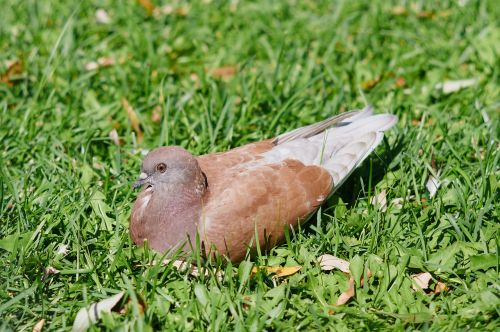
[339, 149]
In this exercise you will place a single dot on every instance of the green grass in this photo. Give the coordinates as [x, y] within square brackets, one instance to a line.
[64, 182]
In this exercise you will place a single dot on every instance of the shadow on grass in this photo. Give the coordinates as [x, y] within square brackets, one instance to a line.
[358, 181]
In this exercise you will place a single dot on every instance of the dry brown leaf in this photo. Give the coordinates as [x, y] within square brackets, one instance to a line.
[397, 202]
[100, 63]
[444, 13]
[105, 61]
[421, 280]
[14, 68]
[154, 73]
[247, 302]
[92, 65]
[368, 274]
[399, 11]
[163, 10]
[140, 305]
[279, 271]
[370, 84]
[425, 14]
[194, 77]
[380, 201]
[348, 294]
[49, 271]
[183, 266]
[329, 262]
[147, 5]
[182, 11]
[134, 120]
[440, 287]
[156, 114]
[224, 72]
[400, 82]
[113, 135]
[39, 326]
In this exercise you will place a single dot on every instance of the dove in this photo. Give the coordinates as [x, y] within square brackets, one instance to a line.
[233, 201]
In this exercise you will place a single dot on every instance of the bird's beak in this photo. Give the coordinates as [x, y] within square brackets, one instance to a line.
[143, 177]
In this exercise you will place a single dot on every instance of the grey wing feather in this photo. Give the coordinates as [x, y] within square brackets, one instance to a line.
[316, 128]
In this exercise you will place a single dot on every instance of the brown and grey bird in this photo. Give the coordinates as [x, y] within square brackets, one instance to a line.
[230, 198]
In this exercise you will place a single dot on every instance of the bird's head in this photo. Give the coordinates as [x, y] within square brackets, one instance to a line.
[169, 167]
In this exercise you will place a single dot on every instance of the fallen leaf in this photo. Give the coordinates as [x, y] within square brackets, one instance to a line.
[248, 302]
[113, 135]
[453, 86]
[279, 271]
[92, 65]
[134, 120]
[39, 326]
[348, 294]
[444, 13]
[48, 271]
[194, 77]
[182, 11]
[329, 262]
[440, 287]
[14, 68]
[88, 316]
[421, 280]
[156, 114]
[380, 201]
[101, 16]
[140, 305]
[399, 11]
[370, 84]
[398, 202]
[154, 73]
[100, 63]
[163, 10]
[183, 266]
[425, 14]
[400, 82]
[105, 61]
[432, 185]
[224, 72]
[147, 5]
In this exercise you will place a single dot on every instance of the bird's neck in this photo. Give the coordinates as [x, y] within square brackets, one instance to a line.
[166, 216]
[176, 199]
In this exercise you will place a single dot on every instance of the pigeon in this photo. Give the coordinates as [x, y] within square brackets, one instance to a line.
[232, 202]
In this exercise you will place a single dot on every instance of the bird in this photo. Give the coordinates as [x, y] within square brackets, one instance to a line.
[235, 201]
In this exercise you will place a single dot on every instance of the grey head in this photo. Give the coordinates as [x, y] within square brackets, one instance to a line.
[169, 167]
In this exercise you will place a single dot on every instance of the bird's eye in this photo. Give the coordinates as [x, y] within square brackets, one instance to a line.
[161, 168]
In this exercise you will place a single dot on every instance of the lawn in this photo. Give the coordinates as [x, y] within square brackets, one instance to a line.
[86, 88]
